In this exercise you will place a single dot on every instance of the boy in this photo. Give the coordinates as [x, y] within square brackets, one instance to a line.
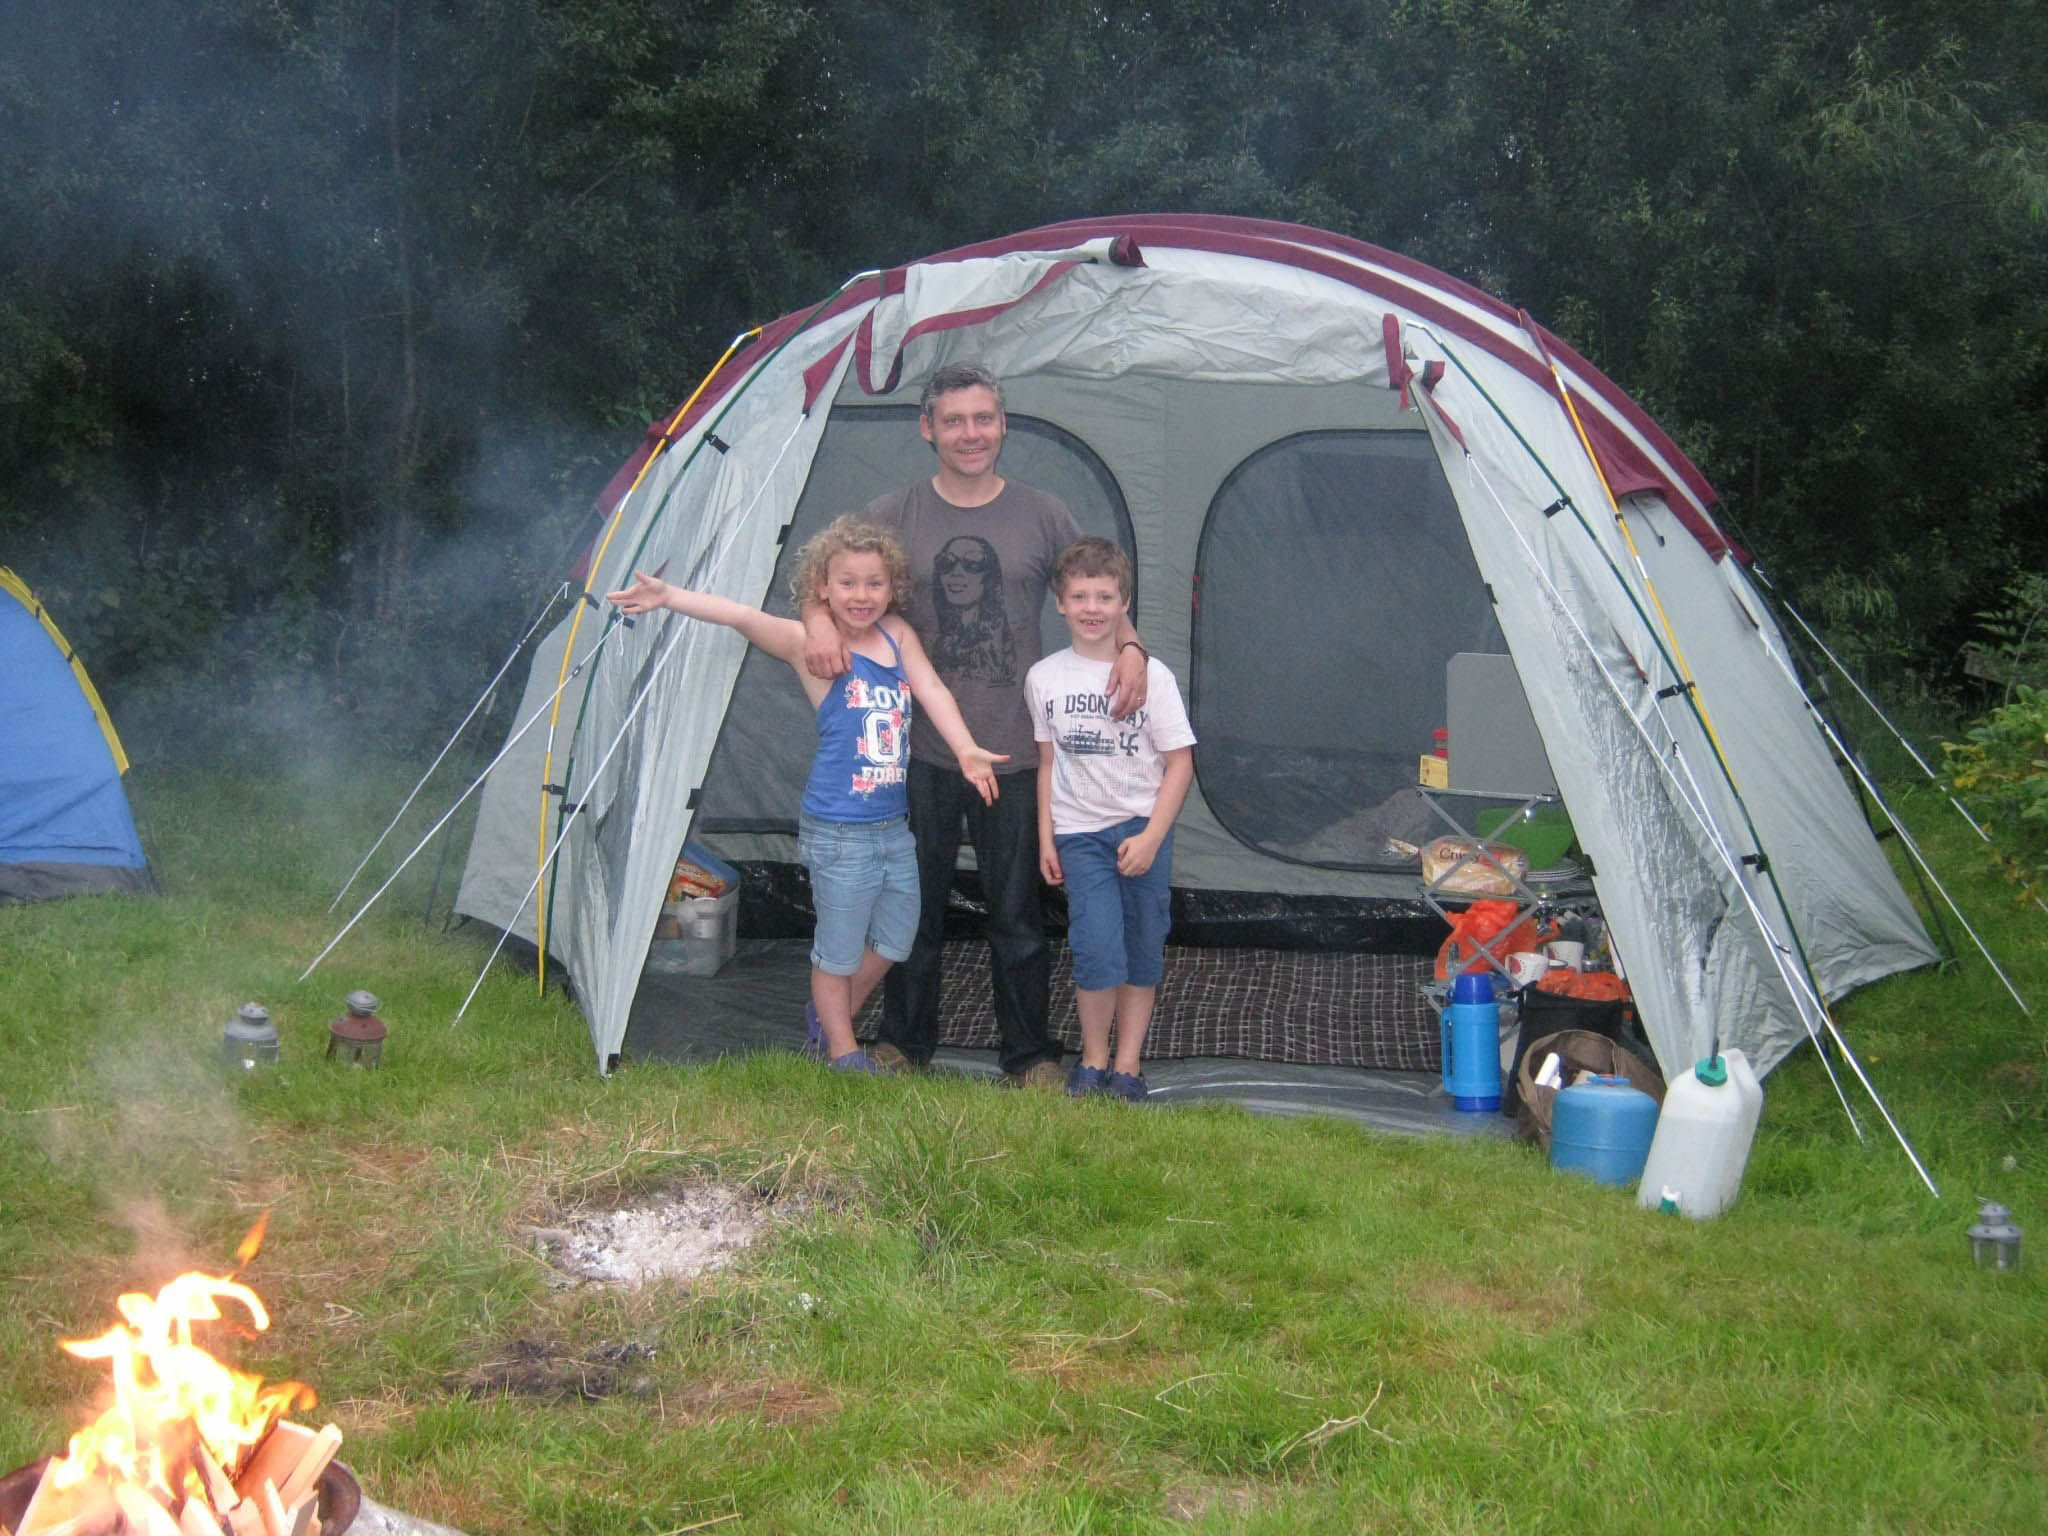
[1108, 791]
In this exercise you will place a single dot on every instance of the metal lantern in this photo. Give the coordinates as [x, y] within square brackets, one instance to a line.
[357, 1037]
[250, 1040]
[1994, 1240]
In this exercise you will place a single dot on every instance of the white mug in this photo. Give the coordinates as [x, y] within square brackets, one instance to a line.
[1527, 967]
[1567, 952]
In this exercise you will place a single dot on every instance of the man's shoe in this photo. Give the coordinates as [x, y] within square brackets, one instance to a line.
[1128, 1086]
[890, 1058]
[1083, 1081]
[1040, 1074]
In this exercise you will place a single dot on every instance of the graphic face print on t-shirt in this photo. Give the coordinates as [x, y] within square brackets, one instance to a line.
[973, 643]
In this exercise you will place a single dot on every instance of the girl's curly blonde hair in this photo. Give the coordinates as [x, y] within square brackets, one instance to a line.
[849, 536]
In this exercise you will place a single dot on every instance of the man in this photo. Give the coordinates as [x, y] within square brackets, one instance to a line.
[981, 560]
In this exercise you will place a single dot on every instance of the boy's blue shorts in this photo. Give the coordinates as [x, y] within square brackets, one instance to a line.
[863, 889]
[1116, 925]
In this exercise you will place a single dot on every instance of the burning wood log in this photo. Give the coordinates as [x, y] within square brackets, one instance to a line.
[277, 1494]
[313, 1461]
[220, 1491]
[189, 1446]
[141, 1515]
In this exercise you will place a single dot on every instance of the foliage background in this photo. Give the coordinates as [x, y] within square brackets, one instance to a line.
[321, 321]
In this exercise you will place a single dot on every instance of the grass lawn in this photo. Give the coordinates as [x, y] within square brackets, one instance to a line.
[987, 1311]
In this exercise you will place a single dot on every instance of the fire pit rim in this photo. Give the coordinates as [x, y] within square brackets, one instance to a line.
[341, 1496]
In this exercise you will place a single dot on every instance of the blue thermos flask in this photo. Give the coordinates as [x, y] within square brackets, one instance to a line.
[1471, 1043]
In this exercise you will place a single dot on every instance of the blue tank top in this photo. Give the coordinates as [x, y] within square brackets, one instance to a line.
[863, 744]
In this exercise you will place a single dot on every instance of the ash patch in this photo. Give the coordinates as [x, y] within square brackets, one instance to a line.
[676, 1234]
[544, 1368]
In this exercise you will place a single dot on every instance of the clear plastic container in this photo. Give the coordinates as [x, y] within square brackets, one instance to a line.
[709, 933]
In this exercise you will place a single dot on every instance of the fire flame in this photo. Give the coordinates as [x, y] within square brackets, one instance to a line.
[170, 1396]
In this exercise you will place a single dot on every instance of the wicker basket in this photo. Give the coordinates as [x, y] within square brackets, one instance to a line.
[1578, 1050]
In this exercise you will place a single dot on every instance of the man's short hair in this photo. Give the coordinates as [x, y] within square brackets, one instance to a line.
[1092, 556]
[952, 376]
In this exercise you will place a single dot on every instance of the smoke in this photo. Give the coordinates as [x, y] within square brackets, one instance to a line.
[279, 459]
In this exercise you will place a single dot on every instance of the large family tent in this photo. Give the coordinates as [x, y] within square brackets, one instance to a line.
[65, 825]
[1343, 477]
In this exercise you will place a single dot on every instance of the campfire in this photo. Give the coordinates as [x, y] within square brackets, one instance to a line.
[188, 1446]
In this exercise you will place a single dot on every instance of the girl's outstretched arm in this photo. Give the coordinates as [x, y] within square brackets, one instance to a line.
[781, 638]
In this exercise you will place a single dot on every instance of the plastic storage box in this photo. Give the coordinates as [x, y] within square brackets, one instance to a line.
[696, 935]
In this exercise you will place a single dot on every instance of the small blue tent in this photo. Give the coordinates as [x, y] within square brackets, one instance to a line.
[65, 826]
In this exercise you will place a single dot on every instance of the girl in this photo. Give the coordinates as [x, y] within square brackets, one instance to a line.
[854, 836]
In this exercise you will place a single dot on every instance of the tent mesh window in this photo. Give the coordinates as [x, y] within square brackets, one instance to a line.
[1335, 582]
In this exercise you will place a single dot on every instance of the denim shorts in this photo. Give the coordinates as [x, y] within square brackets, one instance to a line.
[1116, 924]
[863, 889]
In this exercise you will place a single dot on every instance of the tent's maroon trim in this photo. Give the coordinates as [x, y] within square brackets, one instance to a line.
[864, 337]
[1398, 371]
[1418, 289]
[819, 374]
[887, 284]
[1413, 285]
[1450, 422]
[1399, 374]
[1618, 484]
[737, 367]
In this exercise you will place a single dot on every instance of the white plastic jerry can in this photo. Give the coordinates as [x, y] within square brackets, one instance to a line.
[1703, 1137]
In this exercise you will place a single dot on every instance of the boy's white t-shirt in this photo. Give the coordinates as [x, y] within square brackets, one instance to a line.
[1103, 771]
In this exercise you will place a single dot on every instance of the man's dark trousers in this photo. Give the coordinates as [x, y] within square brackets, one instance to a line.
[1005, 840]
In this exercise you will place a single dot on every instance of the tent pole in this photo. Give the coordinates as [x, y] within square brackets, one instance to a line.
[1628, 537]
[597, 557]
[1799, 986]
[545, 909]
[707, 560]
[546, 905]
[544, 912]
[569, 822]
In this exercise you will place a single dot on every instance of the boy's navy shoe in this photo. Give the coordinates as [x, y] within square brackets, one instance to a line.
[1128, 1086]
[814, 1033]
[1083, 1081]
[856, 1061]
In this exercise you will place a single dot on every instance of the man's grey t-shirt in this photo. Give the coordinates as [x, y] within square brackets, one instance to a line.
[978, 578]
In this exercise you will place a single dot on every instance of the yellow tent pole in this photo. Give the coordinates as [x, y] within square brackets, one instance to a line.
[34, 605]
[540, 910]
[1628, 538]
